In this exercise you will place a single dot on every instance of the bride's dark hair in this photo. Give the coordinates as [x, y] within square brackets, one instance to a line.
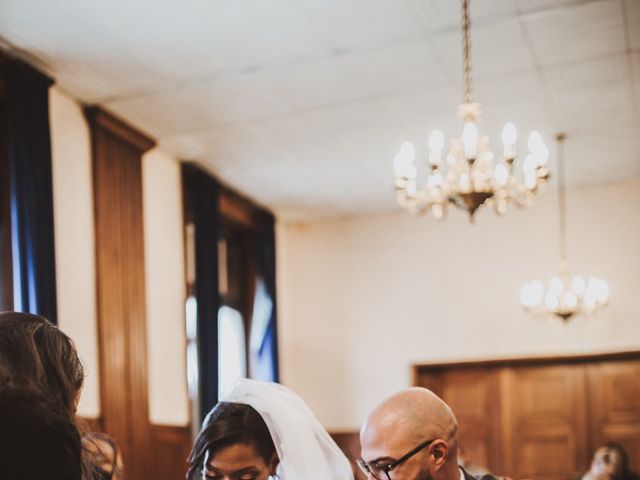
[229, 424]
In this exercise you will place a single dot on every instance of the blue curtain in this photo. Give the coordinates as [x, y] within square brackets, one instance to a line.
[265, 358]
[201, 192]
[31, 193]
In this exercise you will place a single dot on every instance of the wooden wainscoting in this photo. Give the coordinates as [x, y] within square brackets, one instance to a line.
[171, 447]
[544, 417]
[349, 443]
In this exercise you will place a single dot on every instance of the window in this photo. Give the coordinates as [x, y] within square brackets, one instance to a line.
[232, 362]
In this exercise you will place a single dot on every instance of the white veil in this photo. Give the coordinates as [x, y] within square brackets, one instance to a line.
[305, 449]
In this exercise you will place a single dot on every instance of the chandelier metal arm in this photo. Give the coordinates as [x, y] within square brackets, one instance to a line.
[466, 53]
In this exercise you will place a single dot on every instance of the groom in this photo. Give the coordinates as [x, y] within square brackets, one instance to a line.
[413, 435]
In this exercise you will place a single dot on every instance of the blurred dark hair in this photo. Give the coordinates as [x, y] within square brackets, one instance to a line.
[229, 424]
[35, 441]
[36, 357]
[619, 461]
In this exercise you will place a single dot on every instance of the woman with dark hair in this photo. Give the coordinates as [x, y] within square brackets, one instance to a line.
[36, 441]
[230, 431]
[38, 358]
[265, 431]
[610, 462]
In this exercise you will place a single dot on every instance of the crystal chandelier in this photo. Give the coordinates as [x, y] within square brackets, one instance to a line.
[470, 174]
[564, 296]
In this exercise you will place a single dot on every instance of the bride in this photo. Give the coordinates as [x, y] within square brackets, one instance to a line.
[265, 431]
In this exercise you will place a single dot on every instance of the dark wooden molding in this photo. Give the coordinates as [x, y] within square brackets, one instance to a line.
[239, 209]
[524, 361]
[120, 283]
[98, 116]
[236, 210]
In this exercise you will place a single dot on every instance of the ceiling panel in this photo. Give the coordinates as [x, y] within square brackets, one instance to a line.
[587, 30]
[363, 24]
[588, 94]
[396, 68]
[443, 16]
[632, 18]
[491, 54]
[532, 6]
[229, 98]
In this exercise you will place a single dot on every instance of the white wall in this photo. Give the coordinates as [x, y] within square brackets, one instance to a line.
[75, 263]
[165, 289]
[74, 238]
[363, 299]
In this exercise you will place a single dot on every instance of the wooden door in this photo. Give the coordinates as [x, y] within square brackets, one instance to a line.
[546, 429]
[614, 401]
[473, 395]
[549, 415]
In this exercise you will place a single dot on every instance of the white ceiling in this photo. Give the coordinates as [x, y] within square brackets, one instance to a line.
[302, 104]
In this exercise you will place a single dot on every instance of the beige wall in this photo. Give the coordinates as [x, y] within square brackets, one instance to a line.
[74, 238]
[165, 289]
[75, 258]
[363, 299]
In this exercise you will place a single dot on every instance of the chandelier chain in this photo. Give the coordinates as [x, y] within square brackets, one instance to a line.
[562, 201]
[466, 52]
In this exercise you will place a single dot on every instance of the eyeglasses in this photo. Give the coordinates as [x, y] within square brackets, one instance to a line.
[381, 471]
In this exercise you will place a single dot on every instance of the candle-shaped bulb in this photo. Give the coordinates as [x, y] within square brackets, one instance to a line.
[509, 137]
[470, 140]
[501, 174]
[535, 142]
[436, 142]
[403, 162]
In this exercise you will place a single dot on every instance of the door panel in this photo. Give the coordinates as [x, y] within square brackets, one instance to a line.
[473, 395]
[548, 423]
[614, 395]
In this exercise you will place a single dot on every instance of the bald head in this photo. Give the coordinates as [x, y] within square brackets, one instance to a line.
[405, 420]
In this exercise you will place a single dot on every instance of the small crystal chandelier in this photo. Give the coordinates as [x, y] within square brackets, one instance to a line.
[565, 296]
[470, 175]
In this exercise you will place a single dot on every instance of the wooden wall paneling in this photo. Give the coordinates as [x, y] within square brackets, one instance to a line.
[349, 443]
[171, 449]
[553, 411]
[117, 171]
[614, 401]
[474, 396]
[549, 434]
[111, 328]
[507, 461]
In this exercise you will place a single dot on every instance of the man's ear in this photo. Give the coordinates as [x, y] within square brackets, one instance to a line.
[440, 452]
